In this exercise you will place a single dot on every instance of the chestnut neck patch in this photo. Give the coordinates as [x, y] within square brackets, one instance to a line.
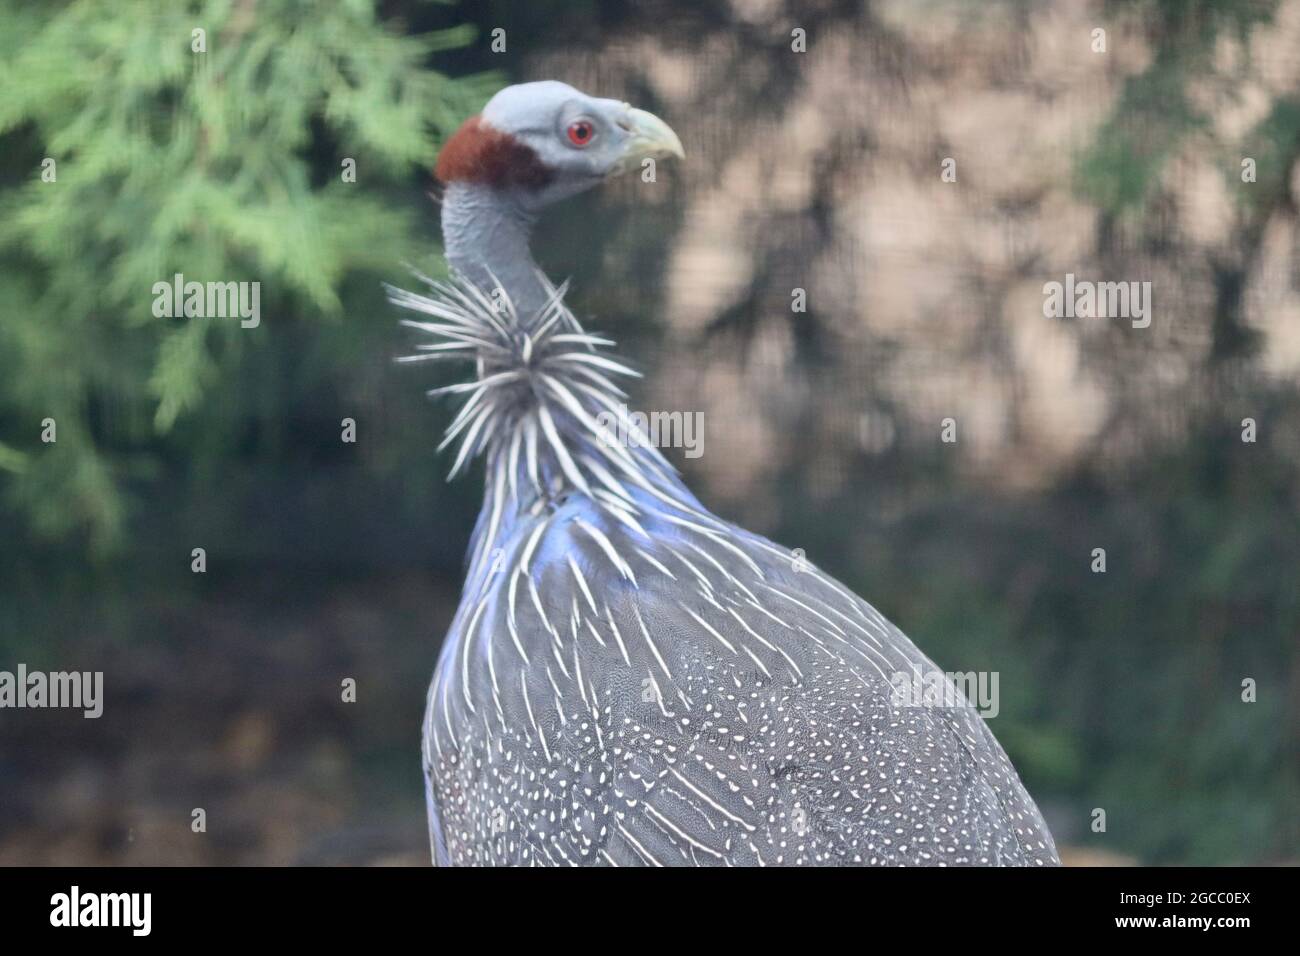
[478, 153]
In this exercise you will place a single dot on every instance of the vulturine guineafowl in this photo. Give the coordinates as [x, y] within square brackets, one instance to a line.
[630, 679]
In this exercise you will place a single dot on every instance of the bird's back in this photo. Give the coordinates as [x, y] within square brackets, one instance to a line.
[650, 685]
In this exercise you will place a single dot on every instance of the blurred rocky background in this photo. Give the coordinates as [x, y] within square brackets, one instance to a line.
[818, 171]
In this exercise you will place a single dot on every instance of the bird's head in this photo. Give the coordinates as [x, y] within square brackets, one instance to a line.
[546, 141]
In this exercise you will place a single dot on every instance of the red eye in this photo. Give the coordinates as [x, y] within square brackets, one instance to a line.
[581, 132]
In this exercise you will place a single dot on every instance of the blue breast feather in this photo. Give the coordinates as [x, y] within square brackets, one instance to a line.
[630, 680]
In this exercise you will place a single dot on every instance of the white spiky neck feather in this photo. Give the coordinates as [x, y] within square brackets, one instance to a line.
[533, 410]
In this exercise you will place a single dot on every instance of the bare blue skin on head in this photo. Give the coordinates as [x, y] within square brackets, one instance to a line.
[630, 679]
[486, 231]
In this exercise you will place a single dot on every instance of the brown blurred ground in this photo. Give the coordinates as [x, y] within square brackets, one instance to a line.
[240, 715]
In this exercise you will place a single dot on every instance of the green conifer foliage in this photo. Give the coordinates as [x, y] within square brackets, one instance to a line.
[206, 139]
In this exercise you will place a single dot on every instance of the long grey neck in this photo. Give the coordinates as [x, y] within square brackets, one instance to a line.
[486, 232]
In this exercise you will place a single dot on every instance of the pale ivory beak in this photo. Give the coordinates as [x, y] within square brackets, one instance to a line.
[651, 138]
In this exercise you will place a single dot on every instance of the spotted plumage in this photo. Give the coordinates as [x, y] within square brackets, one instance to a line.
[631, 680]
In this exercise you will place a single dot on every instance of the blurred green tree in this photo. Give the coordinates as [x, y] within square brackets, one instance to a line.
[207, 139]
